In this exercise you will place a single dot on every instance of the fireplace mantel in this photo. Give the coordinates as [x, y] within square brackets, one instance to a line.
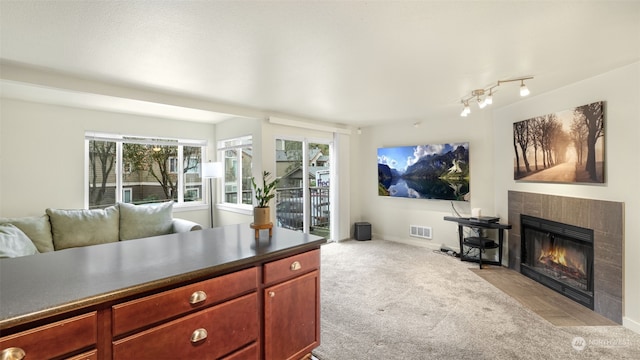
[606, 220]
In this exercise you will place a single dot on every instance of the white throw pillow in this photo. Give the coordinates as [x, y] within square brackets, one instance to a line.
[14, 242]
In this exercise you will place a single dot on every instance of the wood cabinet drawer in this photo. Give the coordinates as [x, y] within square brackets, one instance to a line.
[228, 327]
[152, 309]
[248, 353]
[90, 355]
[55, 339]
[291, 267]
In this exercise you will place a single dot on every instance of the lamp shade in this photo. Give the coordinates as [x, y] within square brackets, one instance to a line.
[212, 170]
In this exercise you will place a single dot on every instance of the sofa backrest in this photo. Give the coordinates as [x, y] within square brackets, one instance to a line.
[61, 229]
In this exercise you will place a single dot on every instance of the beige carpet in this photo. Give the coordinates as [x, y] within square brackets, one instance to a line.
[385, 300]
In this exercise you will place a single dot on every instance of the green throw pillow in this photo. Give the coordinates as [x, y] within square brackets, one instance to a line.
[73, 228]
[37, 228]
[14, 242]
[140, 221]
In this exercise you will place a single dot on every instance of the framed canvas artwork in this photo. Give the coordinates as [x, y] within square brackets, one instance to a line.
[562, 147]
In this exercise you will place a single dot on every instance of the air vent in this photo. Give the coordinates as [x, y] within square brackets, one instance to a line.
[420, 231]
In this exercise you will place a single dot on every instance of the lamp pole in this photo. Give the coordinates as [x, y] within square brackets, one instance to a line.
[212, 170]
[211, 201]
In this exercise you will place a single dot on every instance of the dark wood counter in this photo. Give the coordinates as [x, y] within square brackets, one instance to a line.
[45, 285]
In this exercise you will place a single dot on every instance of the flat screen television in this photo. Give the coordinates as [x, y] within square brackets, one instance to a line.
[439, 171]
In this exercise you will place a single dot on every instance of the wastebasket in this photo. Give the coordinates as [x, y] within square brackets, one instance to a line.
[362, 231]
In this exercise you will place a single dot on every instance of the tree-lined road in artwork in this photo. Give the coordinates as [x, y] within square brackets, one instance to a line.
[565, 172]
[572, 138]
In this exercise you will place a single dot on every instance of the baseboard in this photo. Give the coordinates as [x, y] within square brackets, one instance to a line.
[631, 324]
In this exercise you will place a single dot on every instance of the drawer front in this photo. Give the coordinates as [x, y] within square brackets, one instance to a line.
[152, 309]
[291, 267]
[207, 334]
[55, 339]
[248, 353]
[90, 355]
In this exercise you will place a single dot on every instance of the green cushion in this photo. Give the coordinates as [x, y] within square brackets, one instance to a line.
[14, 242]
[37, 228]
[140, 221]
[72, 228]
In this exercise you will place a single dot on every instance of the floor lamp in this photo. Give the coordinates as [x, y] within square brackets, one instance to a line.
[212, 170]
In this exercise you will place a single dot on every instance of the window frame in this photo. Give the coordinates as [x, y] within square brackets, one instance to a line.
[121, 169]
[237, 143]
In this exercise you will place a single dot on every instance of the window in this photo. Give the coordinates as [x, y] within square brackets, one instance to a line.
[126, 195]
[173, 165]
[192, 193]
[237, 155]
[150, 172]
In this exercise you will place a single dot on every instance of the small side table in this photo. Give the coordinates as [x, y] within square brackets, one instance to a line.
[257, 228]
[480, 243]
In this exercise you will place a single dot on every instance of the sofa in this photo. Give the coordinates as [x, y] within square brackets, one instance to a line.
[60, 229]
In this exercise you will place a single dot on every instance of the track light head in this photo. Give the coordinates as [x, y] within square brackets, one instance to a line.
[481, 103]
[524, 90]
[466, 110]
[489, 98]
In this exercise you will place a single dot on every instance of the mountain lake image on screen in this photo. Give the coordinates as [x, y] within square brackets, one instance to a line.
[439, 171]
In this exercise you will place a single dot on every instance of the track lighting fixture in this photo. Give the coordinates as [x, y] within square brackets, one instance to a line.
[484, 97]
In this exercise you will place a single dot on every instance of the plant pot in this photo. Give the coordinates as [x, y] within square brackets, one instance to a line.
[261, 215]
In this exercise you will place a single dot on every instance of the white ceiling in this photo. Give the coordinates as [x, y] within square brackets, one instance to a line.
[350, 62]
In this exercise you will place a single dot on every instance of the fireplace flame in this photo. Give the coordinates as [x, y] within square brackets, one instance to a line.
[558, 255]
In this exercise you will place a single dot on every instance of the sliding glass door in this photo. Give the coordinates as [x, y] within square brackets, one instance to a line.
[303, 201]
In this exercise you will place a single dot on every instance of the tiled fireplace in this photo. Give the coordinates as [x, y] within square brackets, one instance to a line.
[604, 261]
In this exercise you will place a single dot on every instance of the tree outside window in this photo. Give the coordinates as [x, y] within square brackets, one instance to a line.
[151, 173]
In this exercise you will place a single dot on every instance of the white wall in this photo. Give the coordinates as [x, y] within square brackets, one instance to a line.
[620, 89]
[46, 143]
[390, 217]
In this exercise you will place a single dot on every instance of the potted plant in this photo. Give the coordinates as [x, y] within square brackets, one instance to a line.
[261, 212]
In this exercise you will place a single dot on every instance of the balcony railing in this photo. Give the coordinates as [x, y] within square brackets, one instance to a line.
[289, 208]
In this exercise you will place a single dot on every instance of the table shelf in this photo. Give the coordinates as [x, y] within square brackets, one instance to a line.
[479, 242]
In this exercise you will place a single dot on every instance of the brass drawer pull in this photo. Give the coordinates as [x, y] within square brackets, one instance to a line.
[198, 296]
[12, 353]
[296, 266]
[272, 293]
[198, 335]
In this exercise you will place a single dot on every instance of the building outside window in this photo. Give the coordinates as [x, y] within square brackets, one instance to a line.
[151, 172]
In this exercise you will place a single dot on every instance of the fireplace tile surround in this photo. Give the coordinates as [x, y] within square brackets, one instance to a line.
[606, 218]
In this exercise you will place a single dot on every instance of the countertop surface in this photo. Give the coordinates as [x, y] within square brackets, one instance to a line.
[43, 285]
